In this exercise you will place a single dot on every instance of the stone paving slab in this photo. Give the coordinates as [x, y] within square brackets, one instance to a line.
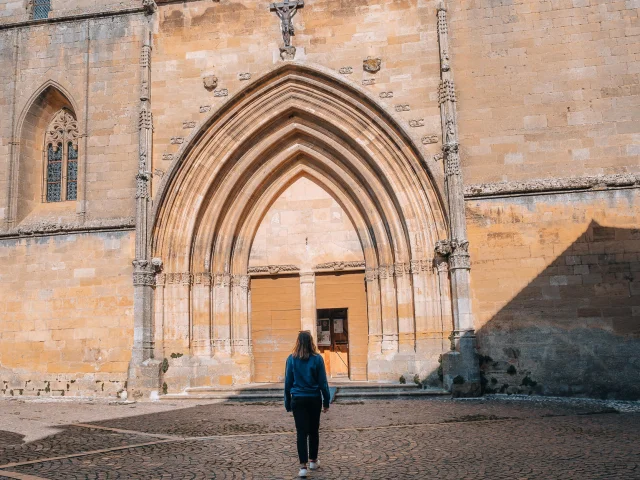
[491, 438]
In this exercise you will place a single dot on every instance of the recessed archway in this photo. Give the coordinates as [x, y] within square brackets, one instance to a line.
[297, 122]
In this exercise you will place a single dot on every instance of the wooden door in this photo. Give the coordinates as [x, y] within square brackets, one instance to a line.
[275, 323]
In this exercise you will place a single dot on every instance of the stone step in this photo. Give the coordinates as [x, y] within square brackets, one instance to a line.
[276, 392]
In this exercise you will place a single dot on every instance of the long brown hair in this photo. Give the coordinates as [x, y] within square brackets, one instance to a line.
[305, 346]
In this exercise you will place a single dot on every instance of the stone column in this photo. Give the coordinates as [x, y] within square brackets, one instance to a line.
[144, 371]
[374, 316]
[222, 314]
[201, 305]
[308, 303]
[461, 364]
[240, 314]
[389, 304]
[406, 313]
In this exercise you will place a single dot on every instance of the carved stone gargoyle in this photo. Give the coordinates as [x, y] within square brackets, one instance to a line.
[210, 82]
[372, 65]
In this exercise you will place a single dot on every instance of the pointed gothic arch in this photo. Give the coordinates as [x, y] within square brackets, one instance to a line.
[296, 121]
[28, 163]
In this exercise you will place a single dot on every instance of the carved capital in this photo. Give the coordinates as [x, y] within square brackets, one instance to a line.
[443, 248]
[178, 278]
[143, 274]
[202, 278]
[371, 274]
[222, 280]
[241, 281]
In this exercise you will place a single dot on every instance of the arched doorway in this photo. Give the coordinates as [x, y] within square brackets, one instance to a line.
[297, 123]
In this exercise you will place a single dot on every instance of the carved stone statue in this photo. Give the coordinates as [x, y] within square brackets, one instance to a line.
[286, 11]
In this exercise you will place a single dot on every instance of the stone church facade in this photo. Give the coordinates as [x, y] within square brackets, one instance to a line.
[444, 192]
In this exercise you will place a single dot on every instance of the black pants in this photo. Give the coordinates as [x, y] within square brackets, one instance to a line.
[306, 412]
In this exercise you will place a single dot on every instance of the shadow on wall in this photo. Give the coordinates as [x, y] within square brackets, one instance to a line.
[575, 329]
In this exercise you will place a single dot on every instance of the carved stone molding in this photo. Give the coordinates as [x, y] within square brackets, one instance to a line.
[63, 128]
[179, 278]
[403, 108]
[446, 91]
[339, 265]
[243, 77]
[56, 228]
[142, 185]
[346, 70]
[368, 82]
[221, 93]
[429, 139]
[186, 125]
[416, 123]
[596, 182]
[205, 108]
[386, 95]
[372, 65]
[177, 140]
[167, 157]
[273, 269]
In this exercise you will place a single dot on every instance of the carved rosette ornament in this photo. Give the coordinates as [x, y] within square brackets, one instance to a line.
[372, 65]
[210, 82]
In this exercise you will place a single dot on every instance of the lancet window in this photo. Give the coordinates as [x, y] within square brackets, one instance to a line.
[40, 9]
[61, 162]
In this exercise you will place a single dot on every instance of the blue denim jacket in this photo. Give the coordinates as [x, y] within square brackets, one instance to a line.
[305, 378]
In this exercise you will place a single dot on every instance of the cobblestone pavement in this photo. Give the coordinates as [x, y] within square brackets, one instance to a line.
[491, 438]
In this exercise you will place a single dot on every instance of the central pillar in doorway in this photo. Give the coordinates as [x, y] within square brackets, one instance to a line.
[308, 303]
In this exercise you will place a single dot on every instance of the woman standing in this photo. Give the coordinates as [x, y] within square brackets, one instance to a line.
[306, 393]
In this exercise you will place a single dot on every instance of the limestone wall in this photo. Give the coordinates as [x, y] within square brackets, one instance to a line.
[238, 41]
[556, 291]
[305, 227]
[16, 10]
[94, 65]
[66, 314]
[547, 88]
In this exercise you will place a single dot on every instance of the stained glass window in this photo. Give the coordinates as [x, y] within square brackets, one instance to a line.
[61, 149]
[54, 173]
[72, 172]
[41, 9]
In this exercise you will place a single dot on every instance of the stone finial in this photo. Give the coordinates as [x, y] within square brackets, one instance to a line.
[441, 7]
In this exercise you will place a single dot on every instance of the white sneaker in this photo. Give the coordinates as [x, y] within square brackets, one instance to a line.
[303, 473]
[314, 465]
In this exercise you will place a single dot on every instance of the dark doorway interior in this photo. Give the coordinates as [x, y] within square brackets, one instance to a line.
[333, 340]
